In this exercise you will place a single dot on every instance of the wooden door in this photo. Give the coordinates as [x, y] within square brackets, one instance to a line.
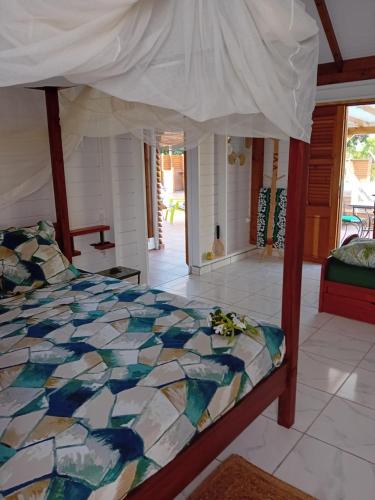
[324, 181]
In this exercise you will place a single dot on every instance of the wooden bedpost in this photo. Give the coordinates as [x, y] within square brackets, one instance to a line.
[58, 173]
[293, 257]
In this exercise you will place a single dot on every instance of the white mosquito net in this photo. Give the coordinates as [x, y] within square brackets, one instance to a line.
[238, 67]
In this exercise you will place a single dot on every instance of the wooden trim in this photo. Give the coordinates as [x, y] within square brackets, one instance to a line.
[159, 200]
[58, 173]
[172, 478]
[359, 123]
[89, 230]
[147, 157]
[338, 177]
[329, 32]
[360, 131]
[257, 168]
[346, 102]
[352, 70]
[293, 256]
[186, 212]
[101, 245]
[368, 109]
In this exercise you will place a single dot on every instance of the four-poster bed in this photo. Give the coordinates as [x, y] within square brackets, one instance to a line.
[280, 383]
[211, 390]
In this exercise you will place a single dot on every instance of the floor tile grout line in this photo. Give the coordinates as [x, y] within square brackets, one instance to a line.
[305, 433]
[320, 390]
[324, 442]
[356, 366]
[341, 449]
[335, 395]
[332, 396]
[331, 359]
[354, 402]
[292, 428]
[287, 455]
[343, 334]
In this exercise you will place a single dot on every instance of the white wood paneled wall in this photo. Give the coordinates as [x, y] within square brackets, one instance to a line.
[222, 197]
[208, 207]
[105, 185]
[26, 212]
[129, 203]
[86, 174]
[283, 163]
[238, 200]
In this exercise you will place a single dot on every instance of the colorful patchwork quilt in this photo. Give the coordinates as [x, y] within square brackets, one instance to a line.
[104, 382]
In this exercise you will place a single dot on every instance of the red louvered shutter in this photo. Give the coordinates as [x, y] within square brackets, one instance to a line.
[324, 181]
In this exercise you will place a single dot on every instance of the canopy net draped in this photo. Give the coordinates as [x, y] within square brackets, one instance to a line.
[239, 67]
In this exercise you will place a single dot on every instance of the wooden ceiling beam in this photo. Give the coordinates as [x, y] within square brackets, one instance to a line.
[330, 33]
[362, 68]
[368, 108]
[360, 131]
[357, 122]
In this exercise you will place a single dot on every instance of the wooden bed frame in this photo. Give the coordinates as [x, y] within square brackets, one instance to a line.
[350, 301]
[281, 383]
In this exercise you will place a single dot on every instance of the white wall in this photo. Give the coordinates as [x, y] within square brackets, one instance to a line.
[85, 173]
[221, 197]
[87, 189]
[238, 199]
[129, 206]
[26, 212]
[207, 195]
[283, 163]
[105, 185]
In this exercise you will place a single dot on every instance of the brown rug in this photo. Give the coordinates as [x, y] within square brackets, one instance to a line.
[237, 479]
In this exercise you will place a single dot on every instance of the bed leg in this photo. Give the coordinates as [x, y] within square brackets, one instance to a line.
[292, 277]
[287, 404]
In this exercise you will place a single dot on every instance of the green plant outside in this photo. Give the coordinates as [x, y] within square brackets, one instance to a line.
[362, 147]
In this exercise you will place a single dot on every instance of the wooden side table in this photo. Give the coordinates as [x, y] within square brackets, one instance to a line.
[121, 273]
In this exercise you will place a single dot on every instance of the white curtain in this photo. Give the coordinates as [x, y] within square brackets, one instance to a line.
[238, 67]
[24, 147]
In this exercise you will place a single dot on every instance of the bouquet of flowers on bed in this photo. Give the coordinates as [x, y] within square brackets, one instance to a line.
[230, 324]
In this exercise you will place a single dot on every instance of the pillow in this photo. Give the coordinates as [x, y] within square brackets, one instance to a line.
[359, 252]
[31, 258]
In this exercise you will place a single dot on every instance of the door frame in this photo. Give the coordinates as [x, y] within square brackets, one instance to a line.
[347, 103]
[152, 202]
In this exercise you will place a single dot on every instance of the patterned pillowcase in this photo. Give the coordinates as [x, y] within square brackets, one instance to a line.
[30, 258]
[359, 252]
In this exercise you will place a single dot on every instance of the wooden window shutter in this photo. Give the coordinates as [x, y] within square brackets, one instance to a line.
[324, 181]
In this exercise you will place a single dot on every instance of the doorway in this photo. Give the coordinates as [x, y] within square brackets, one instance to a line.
[332, 192]
[166, 214]
[358, 186]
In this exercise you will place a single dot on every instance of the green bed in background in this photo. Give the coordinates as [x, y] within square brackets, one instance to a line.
[347, 274]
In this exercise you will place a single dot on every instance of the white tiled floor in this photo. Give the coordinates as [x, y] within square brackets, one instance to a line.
[169, 263]
[330, 451]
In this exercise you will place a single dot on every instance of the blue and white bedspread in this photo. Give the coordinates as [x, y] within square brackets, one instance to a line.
[104, 382]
